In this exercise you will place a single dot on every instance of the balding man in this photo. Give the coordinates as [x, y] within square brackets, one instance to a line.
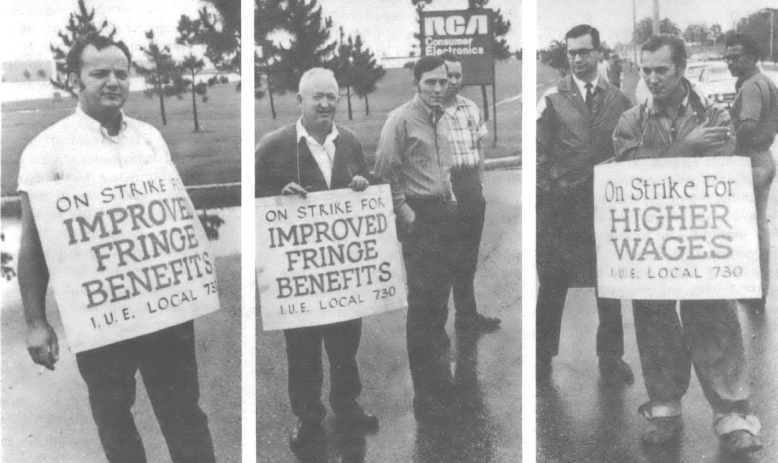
[315, 154]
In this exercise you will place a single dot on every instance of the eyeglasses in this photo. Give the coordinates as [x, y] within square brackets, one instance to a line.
[733, 57]
[582, 52]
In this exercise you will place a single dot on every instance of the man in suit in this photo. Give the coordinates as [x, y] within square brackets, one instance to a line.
[315, 154]
[575, 122]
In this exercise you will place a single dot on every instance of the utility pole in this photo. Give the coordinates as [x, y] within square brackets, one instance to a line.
[656, 17]
[772, 30]
[634, 35]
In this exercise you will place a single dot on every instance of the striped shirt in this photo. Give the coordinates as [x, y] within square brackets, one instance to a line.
[466, 127]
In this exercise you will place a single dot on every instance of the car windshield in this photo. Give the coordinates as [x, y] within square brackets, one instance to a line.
[717, 73]
[694, 73]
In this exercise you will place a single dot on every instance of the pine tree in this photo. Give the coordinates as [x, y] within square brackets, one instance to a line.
[310, 43]
[187, 36]
[342, 66]
[366, 72]
[220, 33]
[80, 23]
[161, 75]
[267, 18]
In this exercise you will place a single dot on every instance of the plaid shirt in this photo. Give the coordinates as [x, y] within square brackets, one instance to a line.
[466, 127]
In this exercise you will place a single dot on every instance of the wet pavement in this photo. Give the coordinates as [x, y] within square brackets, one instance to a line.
[487, 369]
[45, 414]
[580, 420]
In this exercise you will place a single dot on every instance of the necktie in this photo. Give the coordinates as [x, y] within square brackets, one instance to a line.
[589, 95]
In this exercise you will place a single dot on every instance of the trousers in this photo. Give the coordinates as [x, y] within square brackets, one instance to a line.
[708, 337]
[565, 248]
[428, 254]
[471, 212]
[168, 365]
[303, 353]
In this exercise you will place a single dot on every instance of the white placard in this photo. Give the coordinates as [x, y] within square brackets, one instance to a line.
[682, 228]
[126, 256]
[327, 258]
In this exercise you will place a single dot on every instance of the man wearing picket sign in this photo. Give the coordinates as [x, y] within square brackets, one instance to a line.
[312, 155]
[677, 122]
[98, 142]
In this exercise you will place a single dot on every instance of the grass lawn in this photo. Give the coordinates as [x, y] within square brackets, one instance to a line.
[209, 156]
[395, 89]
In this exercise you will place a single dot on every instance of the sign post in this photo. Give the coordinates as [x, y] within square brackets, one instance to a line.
[327, 258]
[676, 228]
[126, 256]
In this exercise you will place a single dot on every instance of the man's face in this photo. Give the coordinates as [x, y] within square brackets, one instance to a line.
[454, 78]
[583, 57]
[739, 64]
[661, 76]
[432, 86]
[318, 100]
[104, 79]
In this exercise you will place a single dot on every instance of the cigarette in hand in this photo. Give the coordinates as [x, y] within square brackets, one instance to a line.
[42, 369]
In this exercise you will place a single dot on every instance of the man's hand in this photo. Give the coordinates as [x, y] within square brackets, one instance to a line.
[406, 217]
[294, 189]
[704, 138]
[42, 344]
[359, 183]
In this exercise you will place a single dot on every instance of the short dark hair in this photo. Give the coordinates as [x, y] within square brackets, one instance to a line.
[448, 56]
[677, 48]
[73, 62]
[426, 64]
[750, 47]
[584, 29]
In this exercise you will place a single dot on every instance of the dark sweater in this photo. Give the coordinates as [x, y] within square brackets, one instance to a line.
[276, 162]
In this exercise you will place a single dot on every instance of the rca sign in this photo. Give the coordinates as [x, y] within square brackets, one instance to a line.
[466, 34]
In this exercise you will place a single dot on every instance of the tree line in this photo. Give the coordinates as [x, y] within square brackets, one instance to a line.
[278, 68]
[755, 24]
[213, 36]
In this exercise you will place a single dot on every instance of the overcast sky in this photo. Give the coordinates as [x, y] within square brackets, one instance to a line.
[29, 26]
[613, 18]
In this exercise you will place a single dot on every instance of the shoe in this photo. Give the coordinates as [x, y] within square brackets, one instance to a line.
[479, 323]
[431, 409]
[615, 371]
[305, 433]
[741, 442]
[358, 419]
[662, 430]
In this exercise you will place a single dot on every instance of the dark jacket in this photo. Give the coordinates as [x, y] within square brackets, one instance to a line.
[278, 153]
[570, 139]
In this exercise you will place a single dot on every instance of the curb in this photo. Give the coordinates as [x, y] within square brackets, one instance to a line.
[499, 163]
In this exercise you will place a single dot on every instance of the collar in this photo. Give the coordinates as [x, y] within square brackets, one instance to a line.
[93, 124]
[429, 112]
[741, 80]
[303, 133]
[581, 84]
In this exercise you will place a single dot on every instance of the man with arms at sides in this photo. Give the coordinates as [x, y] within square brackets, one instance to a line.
[466, 128]
[414, 156]
[575, 122]
[311, 155]
[677, 122]
[755, 117]
[99, 141]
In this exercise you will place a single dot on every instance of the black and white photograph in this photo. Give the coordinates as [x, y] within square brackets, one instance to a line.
[654, 160]
[121, 258]
[388, 215]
